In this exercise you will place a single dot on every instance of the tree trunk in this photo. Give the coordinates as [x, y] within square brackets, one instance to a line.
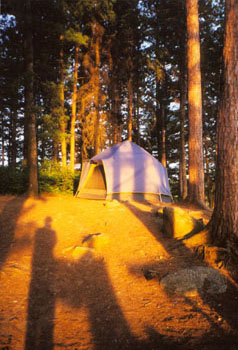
[3, 144]
[73, 117]
[208, 187]
[196, 171]
[84, 143]
[163, 135]
[130, 107]
[55, 155]
[13, 139]
[161, 120]
[182, 164]
[62, 118]
[29, 106]
[115, 112]
[157, 113]
[137, 109]
[98, 34]
[25, 142]
[224, 222]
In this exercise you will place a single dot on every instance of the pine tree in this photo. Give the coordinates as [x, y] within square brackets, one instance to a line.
[224, 222]
[196, 168]
[29, 104]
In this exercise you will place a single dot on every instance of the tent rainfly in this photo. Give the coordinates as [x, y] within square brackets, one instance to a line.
[124, 171]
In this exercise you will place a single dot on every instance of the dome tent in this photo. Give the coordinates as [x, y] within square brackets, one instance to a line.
[124, 171]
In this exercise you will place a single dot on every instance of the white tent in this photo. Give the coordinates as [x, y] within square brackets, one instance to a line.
[124, 171]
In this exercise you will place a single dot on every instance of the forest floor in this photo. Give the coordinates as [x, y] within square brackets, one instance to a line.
[72, 277]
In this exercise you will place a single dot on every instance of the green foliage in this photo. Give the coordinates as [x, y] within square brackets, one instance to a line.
[54, 179]
[13, 181]
[76, 37]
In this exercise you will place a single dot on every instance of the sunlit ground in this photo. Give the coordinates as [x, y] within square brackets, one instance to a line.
[72, 277]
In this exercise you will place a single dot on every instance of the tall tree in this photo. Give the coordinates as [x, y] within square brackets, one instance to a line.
[63, 123]
[224, 222]
[30, 115]
[183, 95]
[212, 40]
[73, 113]
[196, 171]
[130, 105]
[97, 33]
[161, 93]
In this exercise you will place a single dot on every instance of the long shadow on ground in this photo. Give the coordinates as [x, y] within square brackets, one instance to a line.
[79, 284]
[225, 305]
[41, 305]
[90, 286]
[8, 221]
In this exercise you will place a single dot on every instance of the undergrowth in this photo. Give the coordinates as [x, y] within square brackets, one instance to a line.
[52, 178]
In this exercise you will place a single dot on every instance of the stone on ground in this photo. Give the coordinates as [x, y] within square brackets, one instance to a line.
[194, 281]
[177, 223]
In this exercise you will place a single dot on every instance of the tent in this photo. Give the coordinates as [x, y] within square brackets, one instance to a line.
[124, 171]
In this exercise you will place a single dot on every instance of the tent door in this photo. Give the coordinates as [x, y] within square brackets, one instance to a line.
[94, 186]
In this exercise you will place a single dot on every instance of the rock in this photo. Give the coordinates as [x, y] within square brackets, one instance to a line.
[79, 252]
[157, 213]
[194, 281]
[178, 224]
[97, 241]
[75, 252]
[90, 236]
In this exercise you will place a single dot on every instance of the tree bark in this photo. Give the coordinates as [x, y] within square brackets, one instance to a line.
[196, 168]
[73, 116]
[130, 107]
[29, 106]
[208, 187]
[97, 33]
[62, 121]
[96, 101]
[3, 144]
[137, 113]
[163, 135]
[115, 113]
[182, 164]
[55, 155]
[84, 153]
[224, 222]
[13, 152]
[161, 87]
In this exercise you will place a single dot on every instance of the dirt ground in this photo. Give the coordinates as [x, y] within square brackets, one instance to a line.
[72, 276]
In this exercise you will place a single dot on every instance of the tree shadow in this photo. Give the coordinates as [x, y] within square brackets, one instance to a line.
[41, 305]
[84, 283]
[90, 286]
[224, 304]
[109, 328]
[8, 221]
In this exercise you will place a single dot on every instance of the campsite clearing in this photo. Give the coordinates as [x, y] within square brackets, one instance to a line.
[72, 276]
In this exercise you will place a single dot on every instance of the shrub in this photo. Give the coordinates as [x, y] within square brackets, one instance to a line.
[13, 181]
[54, 179]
